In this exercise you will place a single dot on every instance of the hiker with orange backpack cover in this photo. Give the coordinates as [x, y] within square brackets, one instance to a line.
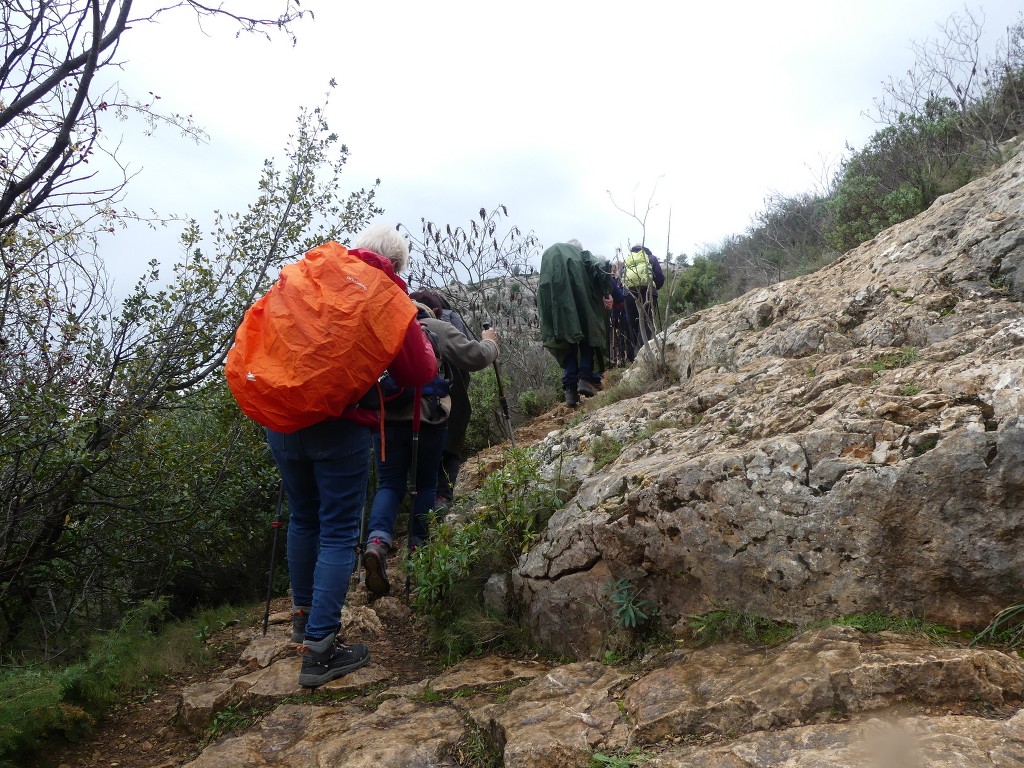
[325, 470]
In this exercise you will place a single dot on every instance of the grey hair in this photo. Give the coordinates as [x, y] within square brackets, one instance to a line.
[576, 243]
[388, 242]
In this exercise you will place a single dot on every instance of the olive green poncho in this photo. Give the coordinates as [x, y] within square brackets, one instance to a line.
[569, 295]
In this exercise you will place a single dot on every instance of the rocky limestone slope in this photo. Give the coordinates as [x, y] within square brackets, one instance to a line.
[846, 442]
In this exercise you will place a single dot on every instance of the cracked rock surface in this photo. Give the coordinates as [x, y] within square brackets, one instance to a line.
[830, 697]
[845, 442]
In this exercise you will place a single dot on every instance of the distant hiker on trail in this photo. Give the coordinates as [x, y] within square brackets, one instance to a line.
[642, 277]
[573, 297]
[325, 469]
[395, 455]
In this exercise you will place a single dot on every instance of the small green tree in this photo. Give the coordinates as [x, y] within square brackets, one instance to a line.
[108, 414]
[944, 123]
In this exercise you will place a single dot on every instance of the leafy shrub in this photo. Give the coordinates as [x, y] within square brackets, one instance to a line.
[694, 288]
[631, 611]
[484, 429]
[633, 621]
[499, 522]
[532, 404]
[723, 624]
[40, 703]
[191, 492]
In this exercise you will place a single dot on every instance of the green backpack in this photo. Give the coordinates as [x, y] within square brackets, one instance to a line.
[638, 272]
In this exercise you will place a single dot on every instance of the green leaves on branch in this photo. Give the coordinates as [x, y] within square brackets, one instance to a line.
[126, 469]
[494, 527]
[629, 609]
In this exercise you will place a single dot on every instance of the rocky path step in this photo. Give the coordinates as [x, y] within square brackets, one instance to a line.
[829, 697]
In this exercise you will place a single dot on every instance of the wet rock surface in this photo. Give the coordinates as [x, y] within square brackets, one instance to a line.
[829, 697]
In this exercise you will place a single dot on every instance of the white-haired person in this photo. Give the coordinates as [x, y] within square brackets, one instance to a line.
[325, 469]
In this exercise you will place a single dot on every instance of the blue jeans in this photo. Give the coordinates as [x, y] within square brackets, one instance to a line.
[325, 468]
[393, 478]
[577, 363]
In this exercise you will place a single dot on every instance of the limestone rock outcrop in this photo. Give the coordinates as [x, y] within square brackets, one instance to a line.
[849, 441]
[829, 697]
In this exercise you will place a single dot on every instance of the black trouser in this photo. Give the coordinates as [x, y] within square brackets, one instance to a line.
[639, 311]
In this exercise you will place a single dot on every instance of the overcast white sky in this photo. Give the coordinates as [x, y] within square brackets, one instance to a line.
[542, 106]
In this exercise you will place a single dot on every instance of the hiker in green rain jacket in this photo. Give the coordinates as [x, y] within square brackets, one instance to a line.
[573, 298]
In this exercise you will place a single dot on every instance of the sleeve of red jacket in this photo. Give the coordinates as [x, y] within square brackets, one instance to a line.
[415, 363]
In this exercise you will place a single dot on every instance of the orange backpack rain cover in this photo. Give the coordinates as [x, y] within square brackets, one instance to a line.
[317, 340]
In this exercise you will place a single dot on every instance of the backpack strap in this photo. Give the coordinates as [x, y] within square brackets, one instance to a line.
[380, 419]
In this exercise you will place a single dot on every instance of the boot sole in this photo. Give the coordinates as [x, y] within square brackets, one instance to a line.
[376, 577]
[310, 680]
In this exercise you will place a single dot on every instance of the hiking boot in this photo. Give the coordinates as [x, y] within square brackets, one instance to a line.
[300, 615]
[328, 659]
[376, 569]
[585, 388]
[442, 503]
[572, 399]
[597, 384]
[415, 544]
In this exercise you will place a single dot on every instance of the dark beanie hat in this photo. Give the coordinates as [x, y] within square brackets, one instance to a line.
[429, 298]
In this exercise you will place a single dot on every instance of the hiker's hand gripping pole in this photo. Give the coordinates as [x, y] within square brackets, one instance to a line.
[275, 527]
[507, 420]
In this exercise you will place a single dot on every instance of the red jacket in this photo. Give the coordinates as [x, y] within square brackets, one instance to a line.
[414, 365]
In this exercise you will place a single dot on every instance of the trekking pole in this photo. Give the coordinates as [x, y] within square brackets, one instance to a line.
[365, 518]
[276, 526]
[507, 422]
[630, 332]
[414, 493]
